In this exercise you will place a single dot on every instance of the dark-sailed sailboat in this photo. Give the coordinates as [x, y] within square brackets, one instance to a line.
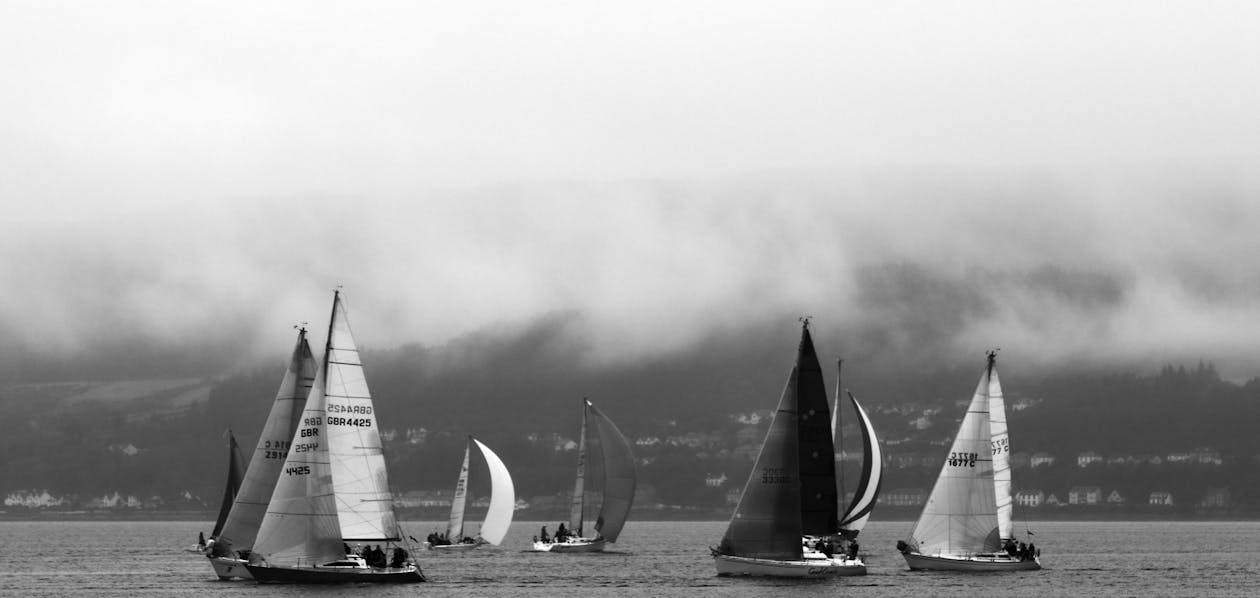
[333, 492]
[231, 543]
[235, 474]
[787, 522]
[618, 489]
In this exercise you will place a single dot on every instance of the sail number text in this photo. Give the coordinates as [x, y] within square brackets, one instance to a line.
[1001, 445]
[963, 459]
[355, 409]
[276, 449]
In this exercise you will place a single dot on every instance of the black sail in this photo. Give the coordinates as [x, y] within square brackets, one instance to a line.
[816, 450]
[767, 521]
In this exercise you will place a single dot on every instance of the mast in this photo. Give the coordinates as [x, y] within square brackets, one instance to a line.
[575, 510]
[455, 525]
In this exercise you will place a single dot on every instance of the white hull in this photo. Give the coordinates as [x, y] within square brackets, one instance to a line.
[229, 568]
[979, 562]
[573, 545]
[461, 547]
[728, 565]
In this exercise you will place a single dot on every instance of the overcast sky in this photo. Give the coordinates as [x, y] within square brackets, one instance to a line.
[1057, 178]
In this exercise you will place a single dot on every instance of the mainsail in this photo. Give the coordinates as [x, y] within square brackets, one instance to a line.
[364, 503]
[960, 516]
[251, 502]
[816, 461]
[455, 524]
[619, 476]
[579, 484]
[236, 472]
[1001, 448]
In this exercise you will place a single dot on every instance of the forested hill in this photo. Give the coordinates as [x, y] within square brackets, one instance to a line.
[520, 394]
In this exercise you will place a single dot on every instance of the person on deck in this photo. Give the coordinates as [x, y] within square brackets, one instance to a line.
[543, 535]
[561, 533]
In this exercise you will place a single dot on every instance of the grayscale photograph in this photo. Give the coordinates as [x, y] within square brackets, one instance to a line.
[629, 299]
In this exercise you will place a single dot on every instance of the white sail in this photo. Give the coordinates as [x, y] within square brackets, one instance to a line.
[455, 525]
[579, 483]
[502, 497]
[364, 503]
[960, 516]
[241, 526]
[859, 511]
[300, 527]
[1001, 448]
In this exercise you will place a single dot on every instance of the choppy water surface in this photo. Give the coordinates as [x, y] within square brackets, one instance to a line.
[126, 559]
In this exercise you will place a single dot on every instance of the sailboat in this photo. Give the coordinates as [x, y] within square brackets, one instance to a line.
[787, 522]
[230, 544]
[618, 490]
[966, 523]
[332, 494]
[498, 517]
[235, 473]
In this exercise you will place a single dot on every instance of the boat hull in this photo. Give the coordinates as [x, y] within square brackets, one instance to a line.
[571, 546]
[461, 547]
[323, 575]
[922, 562]
[229, 568]
[729, 565]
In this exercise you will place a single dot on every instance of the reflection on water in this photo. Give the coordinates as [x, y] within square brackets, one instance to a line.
[127, 559]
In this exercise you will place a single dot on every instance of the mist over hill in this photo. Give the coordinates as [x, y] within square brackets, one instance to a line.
[518, 390]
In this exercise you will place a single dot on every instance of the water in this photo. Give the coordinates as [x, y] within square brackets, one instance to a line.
[1148, 559]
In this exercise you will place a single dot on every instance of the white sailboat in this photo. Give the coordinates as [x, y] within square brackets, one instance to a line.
[498, 516]
[966, 523]
[333, 494]
[618, 488]
[230, 546]
[787, 522]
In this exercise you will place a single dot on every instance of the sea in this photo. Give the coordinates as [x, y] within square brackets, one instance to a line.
[1081, 559]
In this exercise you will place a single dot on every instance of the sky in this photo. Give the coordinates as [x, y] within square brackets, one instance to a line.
[1067, 180]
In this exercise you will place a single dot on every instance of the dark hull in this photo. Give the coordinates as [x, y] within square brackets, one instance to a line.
[265, 574]
[919, 562]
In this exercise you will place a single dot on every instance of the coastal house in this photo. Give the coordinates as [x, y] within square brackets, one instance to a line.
[1088, 458]
[1161, 498]
[715, 480]
[1085, 495]
[1053, 501]
[1115, 498]
[1041, 458]
[1216, 498]
[1030, 498]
